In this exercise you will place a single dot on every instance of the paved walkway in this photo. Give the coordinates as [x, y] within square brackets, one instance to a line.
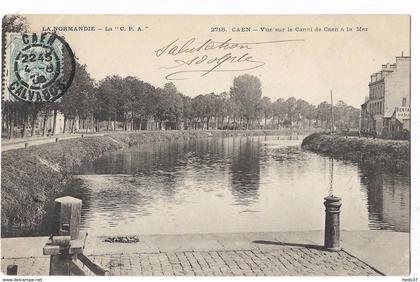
[250, 254]
[280, 260]
[18, 143]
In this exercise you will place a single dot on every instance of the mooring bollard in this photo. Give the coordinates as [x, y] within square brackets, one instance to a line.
[56, 139]
[12, 269]
[66, 241]
[66, 244]
[68, 211]
[332, 223]
[26, 145]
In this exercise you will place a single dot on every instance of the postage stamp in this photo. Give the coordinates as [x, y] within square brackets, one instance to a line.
[42, 67]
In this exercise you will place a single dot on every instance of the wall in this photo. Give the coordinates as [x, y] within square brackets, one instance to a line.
[397, 86]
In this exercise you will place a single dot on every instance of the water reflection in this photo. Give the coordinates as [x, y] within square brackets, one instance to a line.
[388, 198]
[248, 184]
[245, 170]
[235, 184]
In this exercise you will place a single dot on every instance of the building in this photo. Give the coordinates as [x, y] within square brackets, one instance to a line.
[389, 95]
[398, 125]
[367, 123]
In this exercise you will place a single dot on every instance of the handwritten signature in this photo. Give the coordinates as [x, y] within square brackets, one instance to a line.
[192, 57]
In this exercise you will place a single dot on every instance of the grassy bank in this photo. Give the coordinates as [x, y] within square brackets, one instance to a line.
[141, 137]
[32, 178]
[390, 154]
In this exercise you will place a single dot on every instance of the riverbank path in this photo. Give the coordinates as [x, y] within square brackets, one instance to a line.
[274, 261]
[14, 144]
[233, 254]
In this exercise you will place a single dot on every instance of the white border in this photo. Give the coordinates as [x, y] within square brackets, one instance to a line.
[261, 7]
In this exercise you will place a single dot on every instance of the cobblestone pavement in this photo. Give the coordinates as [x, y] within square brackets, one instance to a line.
[289, 261]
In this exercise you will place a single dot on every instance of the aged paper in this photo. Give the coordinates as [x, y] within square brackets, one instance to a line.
[183, 145]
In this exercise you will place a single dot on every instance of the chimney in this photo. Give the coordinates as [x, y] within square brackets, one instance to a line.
[385, 67]
[372, 78]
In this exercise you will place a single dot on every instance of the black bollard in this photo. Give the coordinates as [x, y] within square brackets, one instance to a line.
[332, 223]
[56, 139]
[26, 145]
[12, 269]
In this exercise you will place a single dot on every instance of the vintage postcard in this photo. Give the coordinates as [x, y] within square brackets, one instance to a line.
[182, 145]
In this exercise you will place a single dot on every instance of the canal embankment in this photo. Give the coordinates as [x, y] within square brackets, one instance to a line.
[362, 251]
[31, 178]
[389, 154]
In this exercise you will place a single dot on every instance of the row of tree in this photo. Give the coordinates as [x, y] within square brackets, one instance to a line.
[132, 104]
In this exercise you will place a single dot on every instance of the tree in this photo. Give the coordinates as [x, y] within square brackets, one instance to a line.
[170, 107]
[266, 109]
[279, 110]
[292, 114]
[224, 107]
[14, 23]
[79, 100]
[213, 102]
[188, 112]
[201, 110]
[323, 114]
[246, 91]
[108, 94]
[305, 111]
[345, 116]
[142, 101]
[14, 111]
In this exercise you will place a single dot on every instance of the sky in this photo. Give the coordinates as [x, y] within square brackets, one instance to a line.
[302, 56]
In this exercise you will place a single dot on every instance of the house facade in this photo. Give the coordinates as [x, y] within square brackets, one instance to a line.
[389, 93]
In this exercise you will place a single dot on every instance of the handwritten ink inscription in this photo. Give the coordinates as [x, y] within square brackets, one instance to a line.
[191, 58]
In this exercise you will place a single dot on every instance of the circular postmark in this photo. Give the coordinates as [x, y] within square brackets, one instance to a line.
[42, 67]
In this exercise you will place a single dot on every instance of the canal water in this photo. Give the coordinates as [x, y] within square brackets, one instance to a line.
[237, 184]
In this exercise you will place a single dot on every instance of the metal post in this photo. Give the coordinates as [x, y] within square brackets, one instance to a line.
[12, 269]
[56, 139]
[332, 223]
[26, 145]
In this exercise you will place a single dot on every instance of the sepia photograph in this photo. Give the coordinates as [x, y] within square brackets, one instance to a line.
[206, 145]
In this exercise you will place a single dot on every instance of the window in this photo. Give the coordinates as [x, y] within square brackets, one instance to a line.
[404, 102]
